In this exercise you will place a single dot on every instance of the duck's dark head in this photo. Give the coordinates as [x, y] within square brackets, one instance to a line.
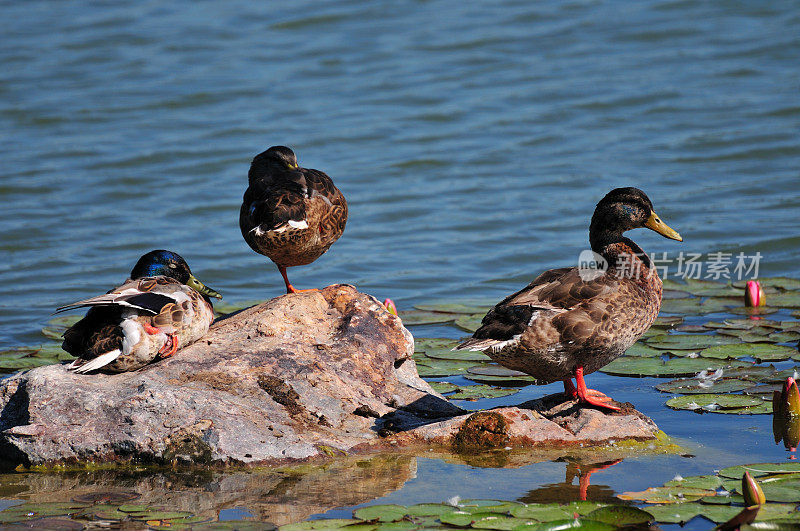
[169, 264]
[276, 158]
[623, 209]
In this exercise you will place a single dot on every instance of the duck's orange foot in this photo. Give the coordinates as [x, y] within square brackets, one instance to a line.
[292, 289]
[170, 347]
[150, 329]
[591, 396]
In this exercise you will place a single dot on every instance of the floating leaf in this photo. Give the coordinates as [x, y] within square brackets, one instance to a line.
[697, 482]
[443, 387]
[711, 402]
[763, 389]
[688, 341]
[790, 299]
[626, 366]
[421, 344]
[579, 523]
[640, 350]
[429, 509]
[503, 381]
[760, 469]
[695, 306]
[159, 514]
[474, 392]
[784, 337]
[765, 408]
[440, 368]
[752, 310]
[689, 386]
[460, 355]
[415, 317]
[760, 351]
[621, 515]
[469, 323]
[380, 513]
[667, 495]
[494, 370]
[546, 512]
[774, 282]
[667, 321]
[456, 307]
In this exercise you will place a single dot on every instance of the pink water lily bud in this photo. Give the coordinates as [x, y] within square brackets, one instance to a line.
[751, 490]
[754, 294]
[390, 307]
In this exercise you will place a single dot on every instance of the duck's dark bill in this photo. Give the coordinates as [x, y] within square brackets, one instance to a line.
[654, 223]
[201, 288]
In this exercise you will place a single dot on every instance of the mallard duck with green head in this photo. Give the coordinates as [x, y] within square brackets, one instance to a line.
[570, 322]
[160, 308]
[290, 214]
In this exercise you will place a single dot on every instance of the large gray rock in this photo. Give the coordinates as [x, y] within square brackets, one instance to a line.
[306, 375]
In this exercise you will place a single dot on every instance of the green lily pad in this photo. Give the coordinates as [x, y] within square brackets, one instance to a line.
[688, 341]
[627, 366]
[760, 469]
[460, 355]
[381, 513]
[559, 525]
[752, 310]
[678, 494]
[764, 408]
[763, 389]
[469, 323]
[440, 368]
[696, 306]
[640, 350]
[456, 307]
[691, 328]
[159, 514]
[429, 509]
[421, 344]
[697, 482]
[416, 317]
[134, 508]
[789, 299]
[620, 515]
[691, 386]
[710, 288]
[773, 282]
[502, 381]
[494, 370]
[733, 324]
[754, 335]
[475, 392]
[784, 337]
[499, 522]
[463, 518]
[24, 363]
[443, 387]
[711, 402]
[760, 351]
[543, 512]
[667, 321]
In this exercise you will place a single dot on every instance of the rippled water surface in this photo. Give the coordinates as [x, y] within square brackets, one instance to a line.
[472, 140]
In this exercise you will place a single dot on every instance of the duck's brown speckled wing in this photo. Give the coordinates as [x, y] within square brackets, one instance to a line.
[560, 321]
[273, 199]
[333, 215]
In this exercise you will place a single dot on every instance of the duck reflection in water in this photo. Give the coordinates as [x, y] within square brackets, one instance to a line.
[567, 491]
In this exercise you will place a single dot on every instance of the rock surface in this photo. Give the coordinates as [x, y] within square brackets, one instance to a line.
[307, 375]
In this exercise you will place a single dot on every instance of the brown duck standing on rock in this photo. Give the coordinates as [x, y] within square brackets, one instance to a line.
[570, 322]
[290, 214]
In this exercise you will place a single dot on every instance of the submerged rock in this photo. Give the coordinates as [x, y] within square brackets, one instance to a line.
[313, 374]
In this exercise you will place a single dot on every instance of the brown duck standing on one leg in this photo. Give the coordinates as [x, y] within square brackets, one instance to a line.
[570, 322]
[290, 214]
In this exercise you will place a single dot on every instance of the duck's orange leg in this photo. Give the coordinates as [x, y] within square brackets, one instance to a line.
[171, 347]
[590, 396]
[289, 287]
[583, 481]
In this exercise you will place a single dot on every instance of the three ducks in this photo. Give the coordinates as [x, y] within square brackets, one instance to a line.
[563, 325]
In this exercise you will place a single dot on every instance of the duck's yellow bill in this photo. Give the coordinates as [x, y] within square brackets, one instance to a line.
[201, 288]
[654, 223]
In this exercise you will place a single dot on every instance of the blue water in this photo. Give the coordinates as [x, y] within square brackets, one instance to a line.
[471, 140]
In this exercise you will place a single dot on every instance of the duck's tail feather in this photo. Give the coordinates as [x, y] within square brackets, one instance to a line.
[96, 363]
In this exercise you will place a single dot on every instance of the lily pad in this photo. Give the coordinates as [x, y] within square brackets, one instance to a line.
[621, 515]
[760, 469]
[696, 306]
[474, 392]
[697, 482]
[667, 321]
[711, 402]
[421, 344]
[578, 523]
[494, 370]
[666, 495]
[773, 282]
[640, 350]
[784, 337]
[759, 351]
[429, 509]
[159, 514]
[469, 323]
[627, 366]
[752, 310]
[441, 368]
[691, 386]
[380, 513]
[789, 299]
[416, 317]
[688, 341]
[457, 307]
[545, 512]
[765, 408]
[443, 387]
[502, 381]
[460, 355]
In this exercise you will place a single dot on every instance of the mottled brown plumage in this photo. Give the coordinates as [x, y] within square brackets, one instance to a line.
[290, 214]
[569, 322]
[163, 306]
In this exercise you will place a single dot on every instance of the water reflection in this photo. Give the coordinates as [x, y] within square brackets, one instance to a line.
[569, 491]
[279, 496]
